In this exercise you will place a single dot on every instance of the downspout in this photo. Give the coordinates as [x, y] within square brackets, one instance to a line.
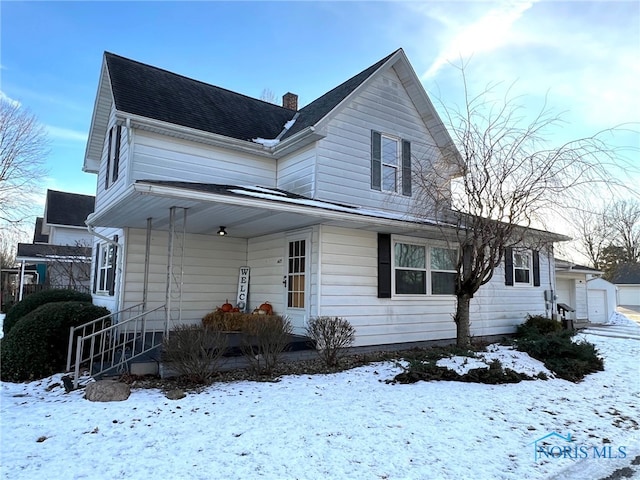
[120, 259]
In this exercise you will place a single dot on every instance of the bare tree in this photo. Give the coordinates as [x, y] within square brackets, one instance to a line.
[267, 95]
[23, 149]
[506, 181]
[624, 218]
[592, 235]
[70, 265]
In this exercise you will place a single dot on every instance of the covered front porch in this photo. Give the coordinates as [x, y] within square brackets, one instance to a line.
[172, 251]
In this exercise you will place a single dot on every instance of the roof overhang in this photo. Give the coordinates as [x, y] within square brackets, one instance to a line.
[246, 212]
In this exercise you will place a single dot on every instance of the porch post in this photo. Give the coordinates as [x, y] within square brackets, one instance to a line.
[21, 281]
[145, 285]
[167, 297]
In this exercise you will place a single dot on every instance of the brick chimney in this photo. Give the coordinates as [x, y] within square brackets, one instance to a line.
[290, 101]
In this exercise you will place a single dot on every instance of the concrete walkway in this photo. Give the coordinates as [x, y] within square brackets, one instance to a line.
[616, 331]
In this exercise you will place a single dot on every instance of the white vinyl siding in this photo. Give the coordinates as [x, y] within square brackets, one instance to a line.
[344, 156]
[498, 308]
[70, 236]
[296, 172]
[158, 157]
[108, 195]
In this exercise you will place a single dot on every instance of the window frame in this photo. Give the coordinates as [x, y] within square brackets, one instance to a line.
[525, 253]
[401, 165]
[428, 246]
[397, 167]
[104, 276]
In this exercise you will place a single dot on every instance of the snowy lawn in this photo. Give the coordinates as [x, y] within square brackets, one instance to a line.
[348, 425]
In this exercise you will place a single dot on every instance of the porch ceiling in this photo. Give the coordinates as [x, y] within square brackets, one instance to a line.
[243, 216]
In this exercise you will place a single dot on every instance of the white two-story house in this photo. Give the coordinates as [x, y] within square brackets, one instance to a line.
[196, 182]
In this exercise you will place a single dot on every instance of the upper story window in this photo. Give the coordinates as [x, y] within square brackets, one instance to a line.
[113, 155]
[390, 163]
[421, 269]
[522, 267]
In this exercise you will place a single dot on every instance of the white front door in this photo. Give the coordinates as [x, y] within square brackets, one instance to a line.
[297, 271]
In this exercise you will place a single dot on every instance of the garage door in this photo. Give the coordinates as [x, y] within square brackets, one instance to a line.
[628, 295]
[597, 306]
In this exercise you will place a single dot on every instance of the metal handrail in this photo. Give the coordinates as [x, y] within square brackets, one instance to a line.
[91, 325]
[115, 344]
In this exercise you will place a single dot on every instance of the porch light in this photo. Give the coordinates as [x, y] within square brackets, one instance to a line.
[222, 231]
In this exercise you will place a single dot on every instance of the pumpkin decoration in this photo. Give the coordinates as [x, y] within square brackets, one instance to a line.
[266, 308]
[226, 307]
[235, 310]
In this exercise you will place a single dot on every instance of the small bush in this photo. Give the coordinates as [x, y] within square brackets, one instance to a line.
[37, 346]
[264, 340]
[195, 351]
[33, 301]
[332, 335]
[565, 358]
[538, 324]
[229, 321]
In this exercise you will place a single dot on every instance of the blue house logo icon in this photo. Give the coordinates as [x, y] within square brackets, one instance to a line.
[553, 445]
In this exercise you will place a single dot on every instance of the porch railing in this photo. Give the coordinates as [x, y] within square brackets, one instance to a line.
[111, 342]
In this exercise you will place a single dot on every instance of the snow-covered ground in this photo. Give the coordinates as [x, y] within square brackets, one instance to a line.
[349, 425]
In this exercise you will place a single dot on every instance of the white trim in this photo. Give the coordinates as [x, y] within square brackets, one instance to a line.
[529, 255]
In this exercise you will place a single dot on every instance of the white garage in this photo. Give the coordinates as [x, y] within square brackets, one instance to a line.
[602, 299]
[629, 295]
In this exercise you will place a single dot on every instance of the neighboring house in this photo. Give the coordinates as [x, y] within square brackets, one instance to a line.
[61, 248]
[196, 182]
[627, 278]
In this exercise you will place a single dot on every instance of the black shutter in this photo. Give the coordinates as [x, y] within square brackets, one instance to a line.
[106, 177]
[508, 266]
[536, 268]
[95, 268]
[111, 278]
[376, 162]
[116, 157]
[406, 168]
[384, 265]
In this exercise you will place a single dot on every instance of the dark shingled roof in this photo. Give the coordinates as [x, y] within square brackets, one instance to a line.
[155, 93]
[68, 208]
[38, 236]
[44, 251]
[151, 92]
[627, 274]
[316, 110]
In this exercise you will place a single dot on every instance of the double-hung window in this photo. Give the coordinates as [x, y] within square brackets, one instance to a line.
[105, 268]
[522, 267]
[389, 160]
[390, 164]
[420, 269]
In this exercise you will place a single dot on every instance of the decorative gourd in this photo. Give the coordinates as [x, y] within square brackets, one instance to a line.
[235, 310]
[266, 308]
[226, 307]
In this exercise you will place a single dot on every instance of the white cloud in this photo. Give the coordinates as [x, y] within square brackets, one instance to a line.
[487, 33]
[6, 98]
[66, 134]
